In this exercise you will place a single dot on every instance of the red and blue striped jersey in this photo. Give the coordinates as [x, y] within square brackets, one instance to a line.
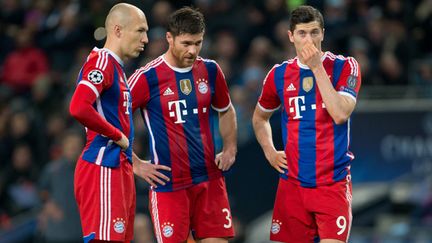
[179, 106]
[317, 149]
[103, 73]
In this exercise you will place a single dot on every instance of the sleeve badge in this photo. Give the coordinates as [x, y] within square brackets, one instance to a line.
[95, 76]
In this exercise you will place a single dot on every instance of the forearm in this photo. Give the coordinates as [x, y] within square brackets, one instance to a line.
[228, 129]
[338, 106]
[263, 132]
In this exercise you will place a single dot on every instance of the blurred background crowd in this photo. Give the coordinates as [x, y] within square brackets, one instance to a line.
[43, 44]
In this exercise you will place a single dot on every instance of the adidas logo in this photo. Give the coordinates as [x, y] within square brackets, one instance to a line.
[291, 87]
[168, 91]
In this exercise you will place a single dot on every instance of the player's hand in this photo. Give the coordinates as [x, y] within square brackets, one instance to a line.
[277, 159]
[311, 55]
[225, 159]
[123, 142]
[149, 172]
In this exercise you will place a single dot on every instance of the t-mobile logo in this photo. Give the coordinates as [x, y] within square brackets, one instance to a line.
[178, 110]
[126, 102]
[297, 105]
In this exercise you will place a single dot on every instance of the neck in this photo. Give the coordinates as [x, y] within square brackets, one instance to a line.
[169, 57]
[114, 48]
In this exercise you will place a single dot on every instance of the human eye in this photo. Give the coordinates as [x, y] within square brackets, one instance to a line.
[301, 33]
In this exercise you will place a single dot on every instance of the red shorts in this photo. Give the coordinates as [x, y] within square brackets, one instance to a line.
[202, 208]
[301, 214]
[106, 200]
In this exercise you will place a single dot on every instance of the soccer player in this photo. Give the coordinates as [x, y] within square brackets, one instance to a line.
[179, 94]
[317, 93]
[104, 175]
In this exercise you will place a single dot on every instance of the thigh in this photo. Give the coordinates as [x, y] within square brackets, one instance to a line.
[333, 212]
[170, 215]
[291, 221]
[211, 213]
[104, 202]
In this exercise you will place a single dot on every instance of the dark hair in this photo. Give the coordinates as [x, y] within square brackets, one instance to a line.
[305, 14]
[186, 21]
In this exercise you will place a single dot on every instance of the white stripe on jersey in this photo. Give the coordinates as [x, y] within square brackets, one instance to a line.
[99, 107]
[156, 157]
[155, 214]
[100, 155]
[91, 86]
[102, 60]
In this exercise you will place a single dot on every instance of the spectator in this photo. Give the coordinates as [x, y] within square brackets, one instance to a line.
[59, 219]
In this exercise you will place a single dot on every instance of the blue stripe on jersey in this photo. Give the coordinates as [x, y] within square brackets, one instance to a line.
[341, 160]
[162, 147]
[111, 154]
[340, 137]
[192, 131]
[307, 132]
[212, 72]
[279, 84]
[337, 70]
[109, 102]
[80, 75]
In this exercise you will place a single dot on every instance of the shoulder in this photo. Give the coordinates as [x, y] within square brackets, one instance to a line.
[333, 57]
[150, 65]
[98, 59]
[206, 61]
[140, 72]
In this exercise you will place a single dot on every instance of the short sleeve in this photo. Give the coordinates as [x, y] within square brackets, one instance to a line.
[97, 76]
[221, 99]
[269, 100]
[350, 79]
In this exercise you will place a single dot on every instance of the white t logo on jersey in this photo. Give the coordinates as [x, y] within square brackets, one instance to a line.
[297, 105]
[180, 110]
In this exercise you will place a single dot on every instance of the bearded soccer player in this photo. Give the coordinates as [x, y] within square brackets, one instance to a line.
[317, 92]
[104, 175]
[178, 94]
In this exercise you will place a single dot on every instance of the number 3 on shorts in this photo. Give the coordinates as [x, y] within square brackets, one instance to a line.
[228, 218]
[341, 224]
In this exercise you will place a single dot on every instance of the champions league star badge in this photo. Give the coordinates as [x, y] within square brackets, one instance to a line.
[307, 84]
[95, 76]
[185, 86]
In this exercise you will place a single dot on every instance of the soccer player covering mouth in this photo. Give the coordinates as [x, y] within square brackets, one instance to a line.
[316, 92]
[179, 94]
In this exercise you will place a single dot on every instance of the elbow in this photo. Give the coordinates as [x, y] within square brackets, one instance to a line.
[340, 119]
[75, 111]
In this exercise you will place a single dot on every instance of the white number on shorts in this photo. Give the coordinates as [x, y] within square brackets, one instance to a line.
[341, 224]
[228, 217]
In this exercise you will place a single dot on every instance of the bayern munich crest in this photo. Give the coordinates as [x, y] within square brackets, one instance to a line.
[167, 229]
[119, 225]
[95, 76]
[275, 226]
[202, 85]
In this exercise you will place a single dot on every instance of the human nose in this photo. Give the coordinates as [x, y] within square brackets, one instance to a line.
[144, 38]
[192, 50]
[308, 38]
